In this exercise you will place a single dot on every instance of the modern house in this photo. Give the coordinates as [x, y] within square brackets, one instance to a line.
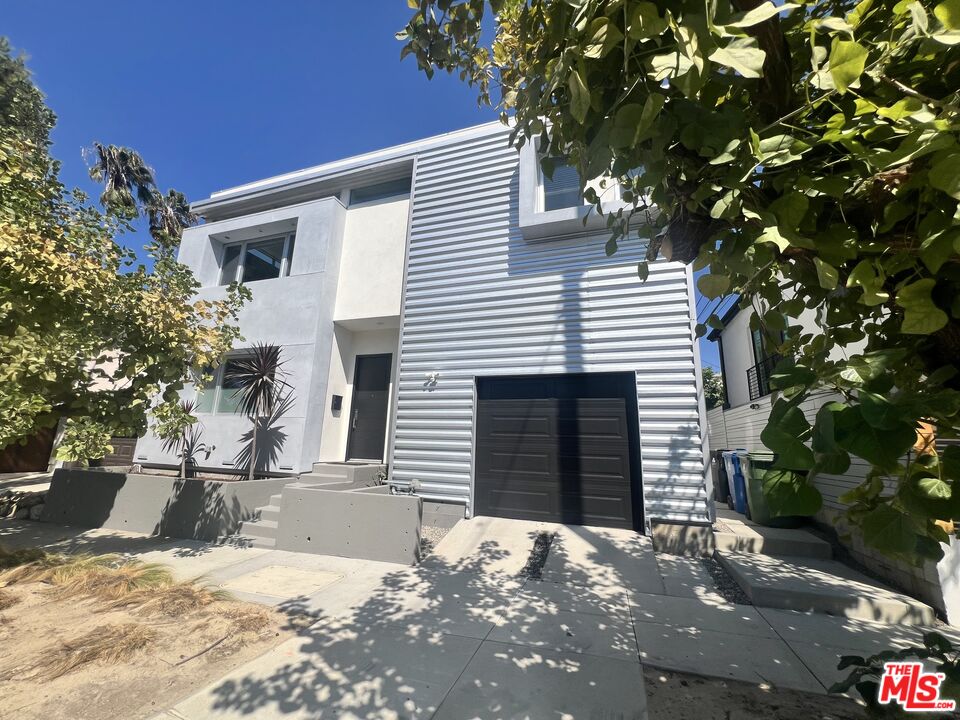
[746, 365]
[448, 312]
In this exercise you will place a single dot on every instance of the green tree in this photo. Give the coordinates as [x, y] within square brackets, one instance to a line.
[807, 153]
[713, 388]
[86, 332]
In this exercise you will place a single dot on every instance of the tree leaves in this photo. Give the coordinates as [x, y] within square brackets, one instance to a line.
[742, 55]
[633, 120]
[826, 274]
[847, 61]
[921, 316]
[763, 12]
[603, 37]
[713, 286]
[785, 434]
[879, 446]
[579, 96]
[645, 21]
[789, 493]
[945, 175]
[88, 332]
[889, 530]
[948, 13]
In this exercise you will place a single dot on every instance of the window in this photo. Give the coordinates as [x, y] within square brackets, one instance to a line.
[257, 260]
[220, 395]
[380, 191]
[562, 189]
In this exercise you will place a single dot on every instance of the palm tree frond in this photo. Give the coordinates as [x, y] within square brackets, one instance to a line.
[257, 378]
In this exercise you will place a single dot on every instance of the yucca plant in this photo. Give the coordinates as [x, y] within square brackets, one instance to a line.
[261, 388]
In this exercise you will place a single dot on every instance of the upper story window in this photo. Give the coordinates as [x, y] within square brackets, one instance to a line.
[257, 260]
[561, 188]
[388, 190]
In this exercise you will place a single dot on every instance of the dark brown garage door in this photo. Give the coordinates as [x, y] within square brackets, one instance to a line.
[559, 448]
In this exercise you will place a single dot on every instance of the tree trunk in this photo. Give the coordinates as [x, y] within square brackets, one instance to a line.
[183, 462]
[775, 89]
[253, 448]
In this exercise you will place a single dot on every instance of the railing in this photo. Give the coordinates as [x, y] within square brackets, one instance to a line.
[758, 377]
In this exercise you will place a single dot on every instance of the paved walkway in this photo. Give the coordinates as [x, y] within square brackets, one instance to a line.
[25, 482]
[467, 634]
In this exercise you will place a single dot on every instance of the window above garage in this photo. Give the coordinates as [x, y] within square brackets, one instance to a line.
[551, 198]
[561, 187]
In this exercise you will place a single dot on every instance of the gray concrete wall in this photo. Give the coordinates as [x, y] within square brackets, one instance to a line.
[364, 525]
[191, 509]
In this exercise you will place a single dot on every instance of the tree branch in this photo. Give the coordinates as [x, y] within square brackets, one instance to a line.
[907, 90]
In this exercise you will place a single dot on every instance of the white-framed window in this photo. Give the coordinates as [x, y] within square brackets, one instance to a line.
[561, 189]
[220, 396]
[261, 259]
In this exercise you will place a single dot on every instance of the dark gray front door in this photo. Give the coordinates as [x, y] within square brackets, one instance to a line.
[368, 412]
[559, 449]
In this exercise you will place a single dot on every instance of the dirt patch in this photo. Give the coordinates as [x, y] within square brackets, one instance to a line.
[724, 583]
[538, 555]
[430, 537]
[71, 651]
[677, 696]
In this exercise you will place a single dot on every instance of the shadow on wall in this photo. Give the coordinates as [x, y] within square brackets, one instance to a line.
[82, 497]
[175, 507]
[271, 437]
[201, 510]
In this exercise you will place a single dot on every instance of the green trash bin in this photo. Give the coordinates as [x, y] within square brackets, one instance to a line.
[755, 466]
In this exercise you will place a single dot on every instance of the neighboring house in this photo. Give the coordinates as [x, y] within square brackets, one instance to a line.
[445, 310]
[746, 365]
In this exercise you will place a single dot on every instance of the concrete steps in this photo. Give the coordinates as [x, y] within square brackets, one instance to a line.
[261, 530]
[821, 586]
[357, 474]
[269, 512]
[748, 537]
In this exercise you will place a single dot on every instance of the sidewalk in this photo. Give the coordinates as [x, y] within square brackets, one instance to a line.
[469, 633]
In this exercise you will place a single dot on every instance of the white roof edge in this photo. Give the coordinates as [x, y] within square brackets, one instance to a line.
[395, 152]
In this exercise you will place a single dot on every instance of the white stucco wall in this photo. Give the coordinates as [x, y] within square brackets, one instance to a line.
[371, 265]
[293, 312]
[346, 347]
[737, 358]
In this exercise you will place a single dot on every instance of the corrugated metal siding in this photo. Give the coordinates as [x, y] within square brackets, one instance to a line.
[482, 301]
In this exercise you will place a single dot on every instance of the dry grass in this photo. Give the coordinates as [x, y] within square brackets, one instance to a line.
[16, 558]
[102, 638]
[7, 600]
[148, 588]
[107, 645]
[175, 600]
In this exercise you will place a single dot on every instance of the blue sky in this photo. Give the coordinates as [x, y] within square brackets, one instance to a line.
[215, 94]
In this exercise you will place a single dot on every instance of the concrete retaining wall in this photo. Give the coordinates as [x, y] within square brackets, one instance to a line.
[368, 523]
[192, 509]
